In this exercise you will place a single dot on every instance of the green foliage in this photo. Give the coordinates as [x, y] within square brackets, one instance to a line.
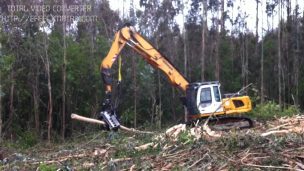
[1, 92]
[235, 142]
[127, 116]
[266, 110]
[290, 110]
[177, 168]
[45, 167]
[125, 145]
[185, 138]
[24, 140]
[273, 161]
[6, 62]
[6, 65]
[149, 151]
[27, 139]
[231, 81]
[270, 110]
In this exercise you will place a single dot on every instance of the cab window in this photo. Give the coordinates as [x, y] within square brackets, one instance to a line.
[206, 95]
[217, 95]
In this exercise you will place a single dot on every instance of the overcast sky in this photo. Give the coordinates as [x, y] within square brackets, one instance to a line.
[247, 7]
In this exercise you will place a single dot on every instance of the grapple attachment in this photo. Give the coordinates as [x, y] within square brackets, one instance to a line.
[110, 119]
[109, 114]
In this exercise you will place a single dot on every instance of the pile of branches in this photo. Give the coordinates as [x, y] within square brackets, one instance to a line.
[277, 144]
[285, 125]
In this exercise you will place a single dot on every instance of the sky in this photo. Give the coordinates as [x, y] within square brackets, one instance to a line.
[247, 7]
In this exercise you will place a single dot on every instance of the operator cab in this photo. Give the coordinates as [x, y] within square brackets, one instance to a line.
[204, 98]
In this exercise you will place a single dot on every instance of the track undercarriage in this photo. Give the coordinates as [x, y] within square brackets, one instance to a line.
[225, 123]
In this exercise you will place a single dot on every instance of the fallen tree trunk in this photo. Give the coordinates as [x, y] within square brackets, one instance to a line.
[95, 121]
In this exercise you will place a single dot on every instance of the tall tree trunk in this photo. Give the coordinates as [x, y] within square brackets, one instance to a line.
[216, 55]
[262, 64]
[11, 98]
[257, 31]
[257, 27]
[132, 16]
[135, 90]
[36, 101]
[243, 58]
[50, 100]
[63, 93]
[222, 16]
[288, 8]
[232, 45]
[296, 60]
[160, 112]
[185, 45]
[246, 63]
[1, 123]
[272, 21]
[46, 61]
[35, 91]
[217, 46]
[159, 101]
[204, 28]
[173, 105]
[173, 53]
[279, 56]
[11, 103]
[185, 55]
[92, 63]
[285, 34]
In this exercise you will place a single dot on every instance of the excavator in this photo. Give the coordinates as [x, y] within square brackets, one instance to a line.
[201, 99]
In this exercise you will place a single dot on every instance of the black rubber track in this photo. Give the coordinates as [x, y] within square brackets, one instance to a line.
[225, 119]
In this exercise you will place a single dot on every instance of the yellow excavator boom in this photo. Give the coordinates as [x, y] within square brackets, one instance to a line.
[127, 35]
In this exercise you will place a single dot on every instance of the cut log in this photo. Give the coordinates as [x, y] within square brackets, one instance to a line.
[196, 132]
[274, 132]
[85, 119]
[145, 146]
[95, 121]
[174, 131]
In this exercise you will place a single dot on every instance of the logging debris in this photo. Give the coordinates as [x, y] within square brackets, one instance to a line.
[189, 149]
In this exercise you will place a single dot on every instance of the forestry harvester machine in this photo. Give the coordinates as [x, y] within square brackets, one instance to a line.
[202, 99]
